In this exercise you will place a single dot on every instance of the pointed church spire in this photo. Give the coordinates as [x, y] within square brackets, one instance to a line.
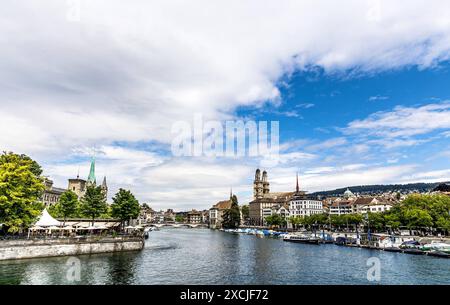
[104, 187]
[298, 188]
[231, 193]
[91, 178]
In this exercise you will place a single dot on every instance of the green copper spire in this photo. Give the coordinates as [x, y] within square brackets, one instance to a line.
[91, 177]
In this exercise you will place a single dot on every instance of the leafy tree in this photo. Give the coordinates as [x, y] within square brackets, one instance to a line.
[93, 203]
[295, 221]
[417, 218]
[125, 206]
[245, 211]
[179, 218]
[443, 223]
[375, 220]
[392, 220]
[34, 166]
[337, 220]
[67, 206]
[21, 188]
[275, 220]
[318, 219]
[232, 216]
[354, 219]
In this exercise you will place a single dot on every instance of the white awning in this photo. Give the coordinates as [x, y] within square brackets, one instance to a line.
[35, 228]
[46, 220]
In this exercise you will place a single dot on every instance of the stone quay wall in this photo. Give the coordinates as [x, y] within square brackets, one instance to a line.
[34, 248]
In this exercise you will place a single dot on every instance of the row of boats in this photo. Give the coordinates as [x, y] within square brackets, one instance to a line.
[289, 237]
[386, 243]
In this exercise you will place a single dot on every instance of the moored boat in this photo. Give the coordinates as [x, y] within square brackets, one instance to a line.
[414, 251]
[392, 249]
[301, 239]
[436, 253]
[442, 247]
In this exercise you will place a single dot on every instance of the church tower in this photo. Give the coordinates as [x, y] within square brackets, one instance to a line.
[258, 185]
[91, 178]
[265, 181]
[105, 187]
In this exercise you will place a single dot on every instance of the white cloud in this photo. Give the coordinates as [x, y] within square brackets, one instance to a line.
[327, 144]
[305, 105]
[283, 179]
[428, 176]
[378, 98]
[404, 121]
[126, 71]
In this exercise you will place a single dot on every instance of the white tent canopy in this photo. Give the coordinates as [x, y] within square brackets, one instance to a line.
[45, 220]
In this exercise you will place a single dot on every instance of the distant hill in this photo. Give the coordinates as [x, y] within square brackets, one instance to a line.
[378, 189]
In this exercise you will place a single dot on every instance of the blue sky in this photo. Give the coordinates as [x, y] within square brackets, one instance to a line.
[316, 107]
[360, 89]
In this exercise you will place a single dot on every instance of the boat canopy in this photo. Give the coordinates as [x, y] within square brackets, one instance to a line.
[411, 242]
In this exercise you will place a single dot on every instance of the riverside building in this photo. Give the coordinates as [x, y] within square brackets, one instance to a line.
[302, 205]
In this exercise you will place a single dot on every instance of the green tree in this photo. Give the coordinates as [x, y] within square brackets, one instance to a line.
[319, 219]
[21, 188]
[375, 220]
[67, 206]
[337, 220]
[245, 211]
[179, 218]
[392, 220]
[417, 218]
[295, 221]
[232, 216]
[443, 223]
[125, 206]
[275, 220]
[352, 219]
[93, 203]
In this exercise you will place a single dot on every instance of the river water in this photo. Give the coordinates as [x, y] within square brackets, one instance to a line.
[202, 256]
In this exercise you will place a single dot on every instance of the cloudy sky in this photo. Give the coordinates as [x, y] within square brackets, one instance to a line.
[360, 88]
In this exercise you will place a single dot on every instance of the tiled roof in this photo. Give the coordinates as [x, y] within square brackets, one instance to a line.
[194, 212]
[363, 200]
[342, 203]
[223, 205]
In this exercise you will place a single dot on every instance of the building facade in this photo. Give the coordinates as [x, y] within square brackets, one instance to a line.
[216, 213]
[194, 217]
[78, 186]
[264, 202]
[302, 205]
[51, 194]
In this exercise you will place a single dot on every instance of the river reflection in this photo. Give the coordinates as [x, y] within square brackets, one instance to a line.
[201, 256]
